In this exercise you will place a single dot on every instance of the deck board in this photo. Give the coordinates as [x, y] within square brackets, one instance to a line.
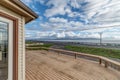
[44, 65]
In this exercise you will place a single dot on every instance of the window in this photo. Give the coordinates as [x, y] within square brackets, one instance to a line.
[6, 49]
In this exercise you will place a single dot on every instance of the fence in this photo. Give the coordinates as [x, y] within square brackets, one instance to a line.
[102, 60]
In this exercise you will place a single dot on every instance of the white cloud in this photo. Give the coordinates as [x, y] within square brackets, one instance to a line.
[105, 13]
[61, 24]
[103, 10]
[58, 20]
[58, 7]
[71, 34]
[94, 11]
[76, 24]
[60, 35]
[75, 3]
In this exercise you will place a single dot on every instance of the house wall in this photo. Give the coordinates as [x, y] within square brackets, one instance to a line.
[21, 41]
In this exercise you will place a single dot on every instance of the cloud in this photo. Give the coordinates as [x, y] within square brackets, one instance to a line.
[68, 18]
[75, 3]
[58, 20]
[58, 7]
[61, 24]
[33, 34]
[103, 11]
[61, 7]
[92, 11]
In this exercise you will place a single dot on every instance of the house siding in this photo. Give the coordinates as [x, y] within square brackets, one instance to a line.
[21, 41]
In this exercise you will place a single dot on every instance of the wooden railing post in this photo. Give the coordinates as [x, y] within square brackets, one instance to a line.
[58, 53]
[100, 61]
[106, 64]
[75, 55]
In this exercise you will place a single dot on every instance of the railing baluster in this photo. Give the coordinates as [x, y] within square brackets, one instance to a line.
[75, 55]
[100, 61]
[106, 64]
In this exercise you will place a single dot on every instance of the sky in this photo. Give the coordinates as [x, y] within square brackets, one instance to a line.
[74, 19]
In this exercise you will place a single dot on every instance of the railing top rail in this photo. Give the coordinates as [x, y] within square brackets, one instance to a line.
[87, 55]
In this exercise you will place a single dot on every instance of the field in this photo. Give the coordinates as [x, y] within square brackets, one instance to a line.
[38, 47]
[110, 53]
[106, 52]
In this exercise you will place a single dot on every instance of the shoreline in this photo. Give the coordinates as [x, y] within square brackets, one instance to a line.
[89, 44]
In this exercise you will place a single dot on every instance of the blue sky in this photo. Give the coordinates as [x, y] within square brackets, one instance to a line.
[74, 19]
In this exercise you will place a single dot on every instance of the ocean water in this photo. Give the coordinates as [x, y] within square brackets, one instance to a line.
[88, 41]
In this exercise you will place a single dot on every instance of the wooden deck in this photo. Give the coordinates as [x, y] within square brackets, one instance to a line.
[44, 65]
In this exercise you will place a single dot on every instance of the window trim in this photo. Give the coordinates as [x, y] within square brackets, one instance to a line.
[15, 43]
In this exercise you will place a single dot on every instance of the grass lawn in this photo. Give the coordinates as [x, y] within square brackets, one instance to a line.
[110, 53]
[38, 47]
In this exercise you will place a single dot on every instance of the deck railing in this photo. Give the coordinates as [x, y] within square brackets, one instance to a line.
[102, 60]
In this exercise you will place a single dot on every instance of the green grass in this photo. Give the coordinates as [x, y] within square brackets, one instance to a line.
[29, 42]
[38, 47]
[110, 53]
[45, 45]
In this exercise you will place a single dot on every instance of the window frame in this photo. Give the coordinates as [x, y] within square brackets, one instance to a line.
[15, 43]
